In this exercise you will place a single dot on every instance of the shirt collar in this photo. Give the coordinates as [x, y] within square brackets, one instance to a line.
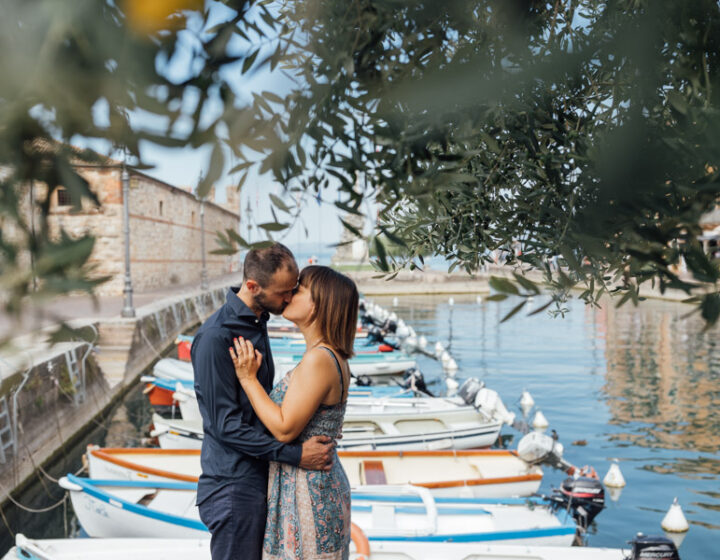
[240, 308]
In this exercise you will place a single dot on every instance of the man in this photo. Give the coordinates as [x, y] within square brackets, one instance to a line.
[232, 491]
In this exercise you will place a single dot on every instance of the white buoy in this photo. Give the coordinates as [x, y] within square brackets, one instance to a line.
[614, 493]
[674, 520]
[614, 478]
[422, 342]
[395, 302]
[539, 421]
[410, 343]
[393, 317]
[478, 300]
[412, 332]
[402, 332]
[451, 384]
[445, 357]
[526, 400]
[439, 348]
[451, 301]
[451, 367]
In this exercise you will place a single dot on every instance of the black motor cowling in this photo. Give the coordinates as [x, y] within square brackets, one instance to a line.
[653, 548]
[389, 326]
[413, 377]
[375, 335]
[584, 496]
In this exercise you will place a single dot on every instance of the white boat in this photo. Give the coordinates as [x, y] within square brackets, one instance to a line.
[112, 508]
[487, 473]
[421, 424]
[119, 508]
[483, 473]
[199, 549]
[177, 434]
[388, 514]
[180, 370]
[108, 549]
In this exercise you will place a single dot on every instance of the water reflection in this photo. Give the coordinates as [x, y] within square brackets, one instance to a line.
[662, 380]
[638, 384]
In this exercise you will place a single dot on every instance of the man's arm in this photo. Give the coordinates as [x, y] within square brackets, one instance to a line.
[216, 387]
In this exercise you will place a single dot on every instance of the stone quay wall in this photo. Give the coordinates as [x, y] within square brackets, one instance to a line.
[165, 231]
[55, 405]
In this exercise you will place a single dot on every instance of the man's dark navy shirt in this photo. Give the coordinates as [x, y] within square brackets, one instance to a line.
[236, 446]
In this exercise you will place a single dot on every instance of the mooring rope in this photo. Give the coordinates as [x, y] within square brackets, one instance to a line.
[29, 509]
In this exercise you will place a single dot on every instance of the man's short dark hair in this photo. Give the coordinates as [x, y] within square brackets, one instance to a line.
[261, 264]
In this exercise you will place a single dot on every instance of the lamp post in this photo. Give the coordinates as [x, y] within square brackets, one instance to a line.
[203, 274]
[128, 310]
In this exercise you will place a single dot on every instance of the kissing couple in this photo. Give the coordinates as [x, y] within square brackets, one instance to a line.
[272, 486]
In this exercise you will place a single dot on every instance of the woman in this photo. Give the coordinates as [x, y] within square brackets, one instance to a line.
[308, 511]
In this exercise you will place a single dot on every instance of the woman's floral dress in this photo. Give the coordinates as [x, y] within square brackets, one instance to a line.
[309, 511]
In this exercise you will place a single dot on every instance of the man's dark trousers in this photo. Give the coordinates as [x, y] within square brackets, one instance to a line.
[235, 516]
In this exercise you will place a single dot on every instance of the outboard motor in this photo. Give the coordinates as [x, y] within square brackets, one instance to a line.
[653, 548]
[413, 378]
[584, 496]
[375, 334]
[484, 400]
[390, 326]
[537, 448]
[364, 381]
[469, 390]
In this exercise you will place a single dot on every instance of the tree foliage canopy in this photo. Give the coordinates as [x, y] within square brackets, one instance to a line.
[586, 129]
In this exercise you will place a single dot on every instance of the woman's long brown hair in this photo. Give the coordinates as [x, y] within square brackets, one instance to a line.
[335, 297]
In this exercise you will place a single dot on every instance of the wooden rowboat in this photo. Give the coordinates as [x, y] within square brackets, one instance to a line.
[482, 473]
[116, 508]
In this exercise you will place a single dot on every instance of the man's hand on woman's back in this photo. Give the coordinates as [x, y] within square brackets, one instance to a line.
[317, 453]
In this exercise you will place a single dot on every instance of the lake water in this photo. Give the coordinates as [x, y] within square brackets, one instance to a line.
[640, 385]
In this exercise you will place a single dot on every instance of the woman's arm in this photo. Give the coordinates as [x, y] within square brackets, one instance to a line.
[310, 383]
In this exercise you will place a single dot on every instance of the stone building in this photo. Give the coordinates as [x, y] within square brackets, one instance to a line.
[165, 229]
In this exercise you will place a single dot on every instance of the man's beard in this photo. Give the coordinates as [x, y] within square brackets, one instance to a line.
[263, 305]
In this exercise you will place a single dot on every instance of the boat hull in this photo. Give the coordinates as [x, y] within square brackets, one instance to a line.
[481, 474]
[118, 515]
[172, 549]
[120, 509]
[181, 434]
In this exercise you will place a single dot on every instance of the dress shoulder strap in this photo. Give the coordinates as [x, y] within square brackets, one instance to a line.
[340, 372]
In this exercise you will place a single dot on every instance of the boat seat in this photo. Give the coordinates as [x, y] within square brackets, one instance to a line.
[373, 472]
